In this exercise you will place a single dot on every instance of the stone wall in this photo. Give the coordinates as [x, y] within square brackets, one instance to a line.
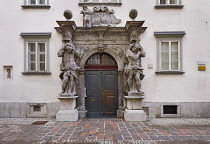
[153, 110]
[25, 110]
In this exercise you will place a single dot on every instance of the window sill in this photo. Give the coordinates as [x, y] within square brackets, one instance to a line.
[36, 73]
[81, 4]
[169, 6]
[170, 72]
[36, 7]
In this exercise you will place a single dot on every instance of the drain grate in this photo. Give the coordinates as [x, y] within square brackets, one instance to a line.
[39, 123]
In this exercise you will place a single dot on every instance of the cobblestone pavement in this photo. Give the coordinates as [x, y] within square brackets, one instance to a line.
[97, 131]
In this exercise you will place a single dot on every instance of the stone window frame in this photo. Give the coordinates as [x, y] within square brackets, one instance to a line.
[169, 36]
[168, 5]
[36, 6]
[36, 37]
[171, 115]
[41, 113]
[81, 2]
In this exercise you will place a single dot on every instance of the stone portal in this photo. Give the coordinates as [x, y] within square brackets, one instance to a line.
[105, 39]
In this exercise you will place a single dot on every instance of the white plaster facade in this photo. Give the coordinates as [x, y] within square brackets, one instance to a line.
[192, 86]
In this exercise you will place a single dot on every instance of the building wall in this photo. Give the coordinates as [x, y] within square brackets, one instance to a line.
[193, 18]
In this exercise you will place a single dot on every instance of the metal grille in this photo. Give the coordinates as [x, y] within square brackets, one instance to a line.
[36, 108]
[170, 109]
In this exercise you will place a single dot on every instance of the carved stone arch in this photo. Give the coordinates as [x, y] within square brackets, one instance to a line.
[109, 51]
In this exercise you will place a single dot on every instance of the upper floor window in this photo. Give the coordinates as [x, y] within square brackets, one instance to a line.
[36, 4]
[36, 52]
[100, 1]
[169, 4]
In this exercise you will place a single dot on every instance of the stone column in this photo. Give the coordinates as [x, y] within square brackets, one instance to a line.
[120, 111]
[82, 94]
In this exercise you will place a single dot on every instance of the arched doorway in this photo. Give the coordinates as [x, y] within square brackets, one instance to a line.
[101, 82]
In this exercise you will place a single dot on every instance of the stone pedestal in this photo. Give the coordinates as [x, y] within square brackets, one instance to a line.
[134, 110]
[134, 115]
[68, 111]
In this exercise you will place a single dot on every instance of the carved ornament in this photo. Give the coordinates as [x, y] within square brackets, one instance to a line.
[100, 16]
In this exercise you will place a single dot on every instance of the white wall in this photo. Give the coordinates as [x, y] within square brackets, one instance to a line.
[194, 19]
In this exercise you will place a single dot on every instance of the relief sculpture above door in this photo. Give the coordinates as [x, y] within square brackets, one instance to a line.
[99, 16]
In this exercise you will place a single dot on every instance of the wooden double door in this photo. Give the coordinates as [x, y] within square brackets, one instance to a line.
[101, 93]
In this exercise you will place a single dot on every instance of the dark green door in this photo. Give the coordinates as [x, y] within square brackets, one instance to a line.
[101, 92]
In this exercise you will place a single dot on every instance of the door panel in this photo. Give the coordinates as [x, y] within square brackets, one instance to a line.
[101, 91]
[109, 87]
[93, 90]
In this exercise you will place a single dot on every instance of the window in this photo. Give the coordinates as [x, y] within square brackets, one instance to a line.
[170, 109]
[37, 108]
[100, 1]
[169, 51]
[36, 55]
[168, 2]
[170, 55]
[177, 4]
[36, 2]
[101, 61]
[36, 52]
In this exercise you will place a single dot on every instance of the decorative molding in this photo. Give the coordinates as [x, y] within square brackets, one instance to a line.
[36, 7]
[111, 3]
[169, 6]
[36, 73]
[169, 34]
[28, 35]
[170, 72]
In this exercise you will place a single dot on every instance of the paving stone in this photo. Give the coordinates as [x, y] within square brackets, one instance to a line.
[109, 129]
[165, 138]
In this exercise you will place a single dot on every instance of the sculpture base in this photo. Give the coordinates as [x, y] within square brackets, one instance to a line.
[68, 103]
[135, 115]
[68, 111]
[135, 93]
[66, 95]
[134, 102]
[67, 115]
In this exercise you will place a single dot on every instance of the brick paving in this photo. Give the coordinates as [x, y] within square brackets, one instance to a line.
[96, 131]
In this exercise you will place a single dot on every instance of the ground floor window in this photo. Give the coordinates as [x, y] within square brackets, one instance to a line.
[36, 49]
[169, 55]
[169, 51]
[36, 56]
